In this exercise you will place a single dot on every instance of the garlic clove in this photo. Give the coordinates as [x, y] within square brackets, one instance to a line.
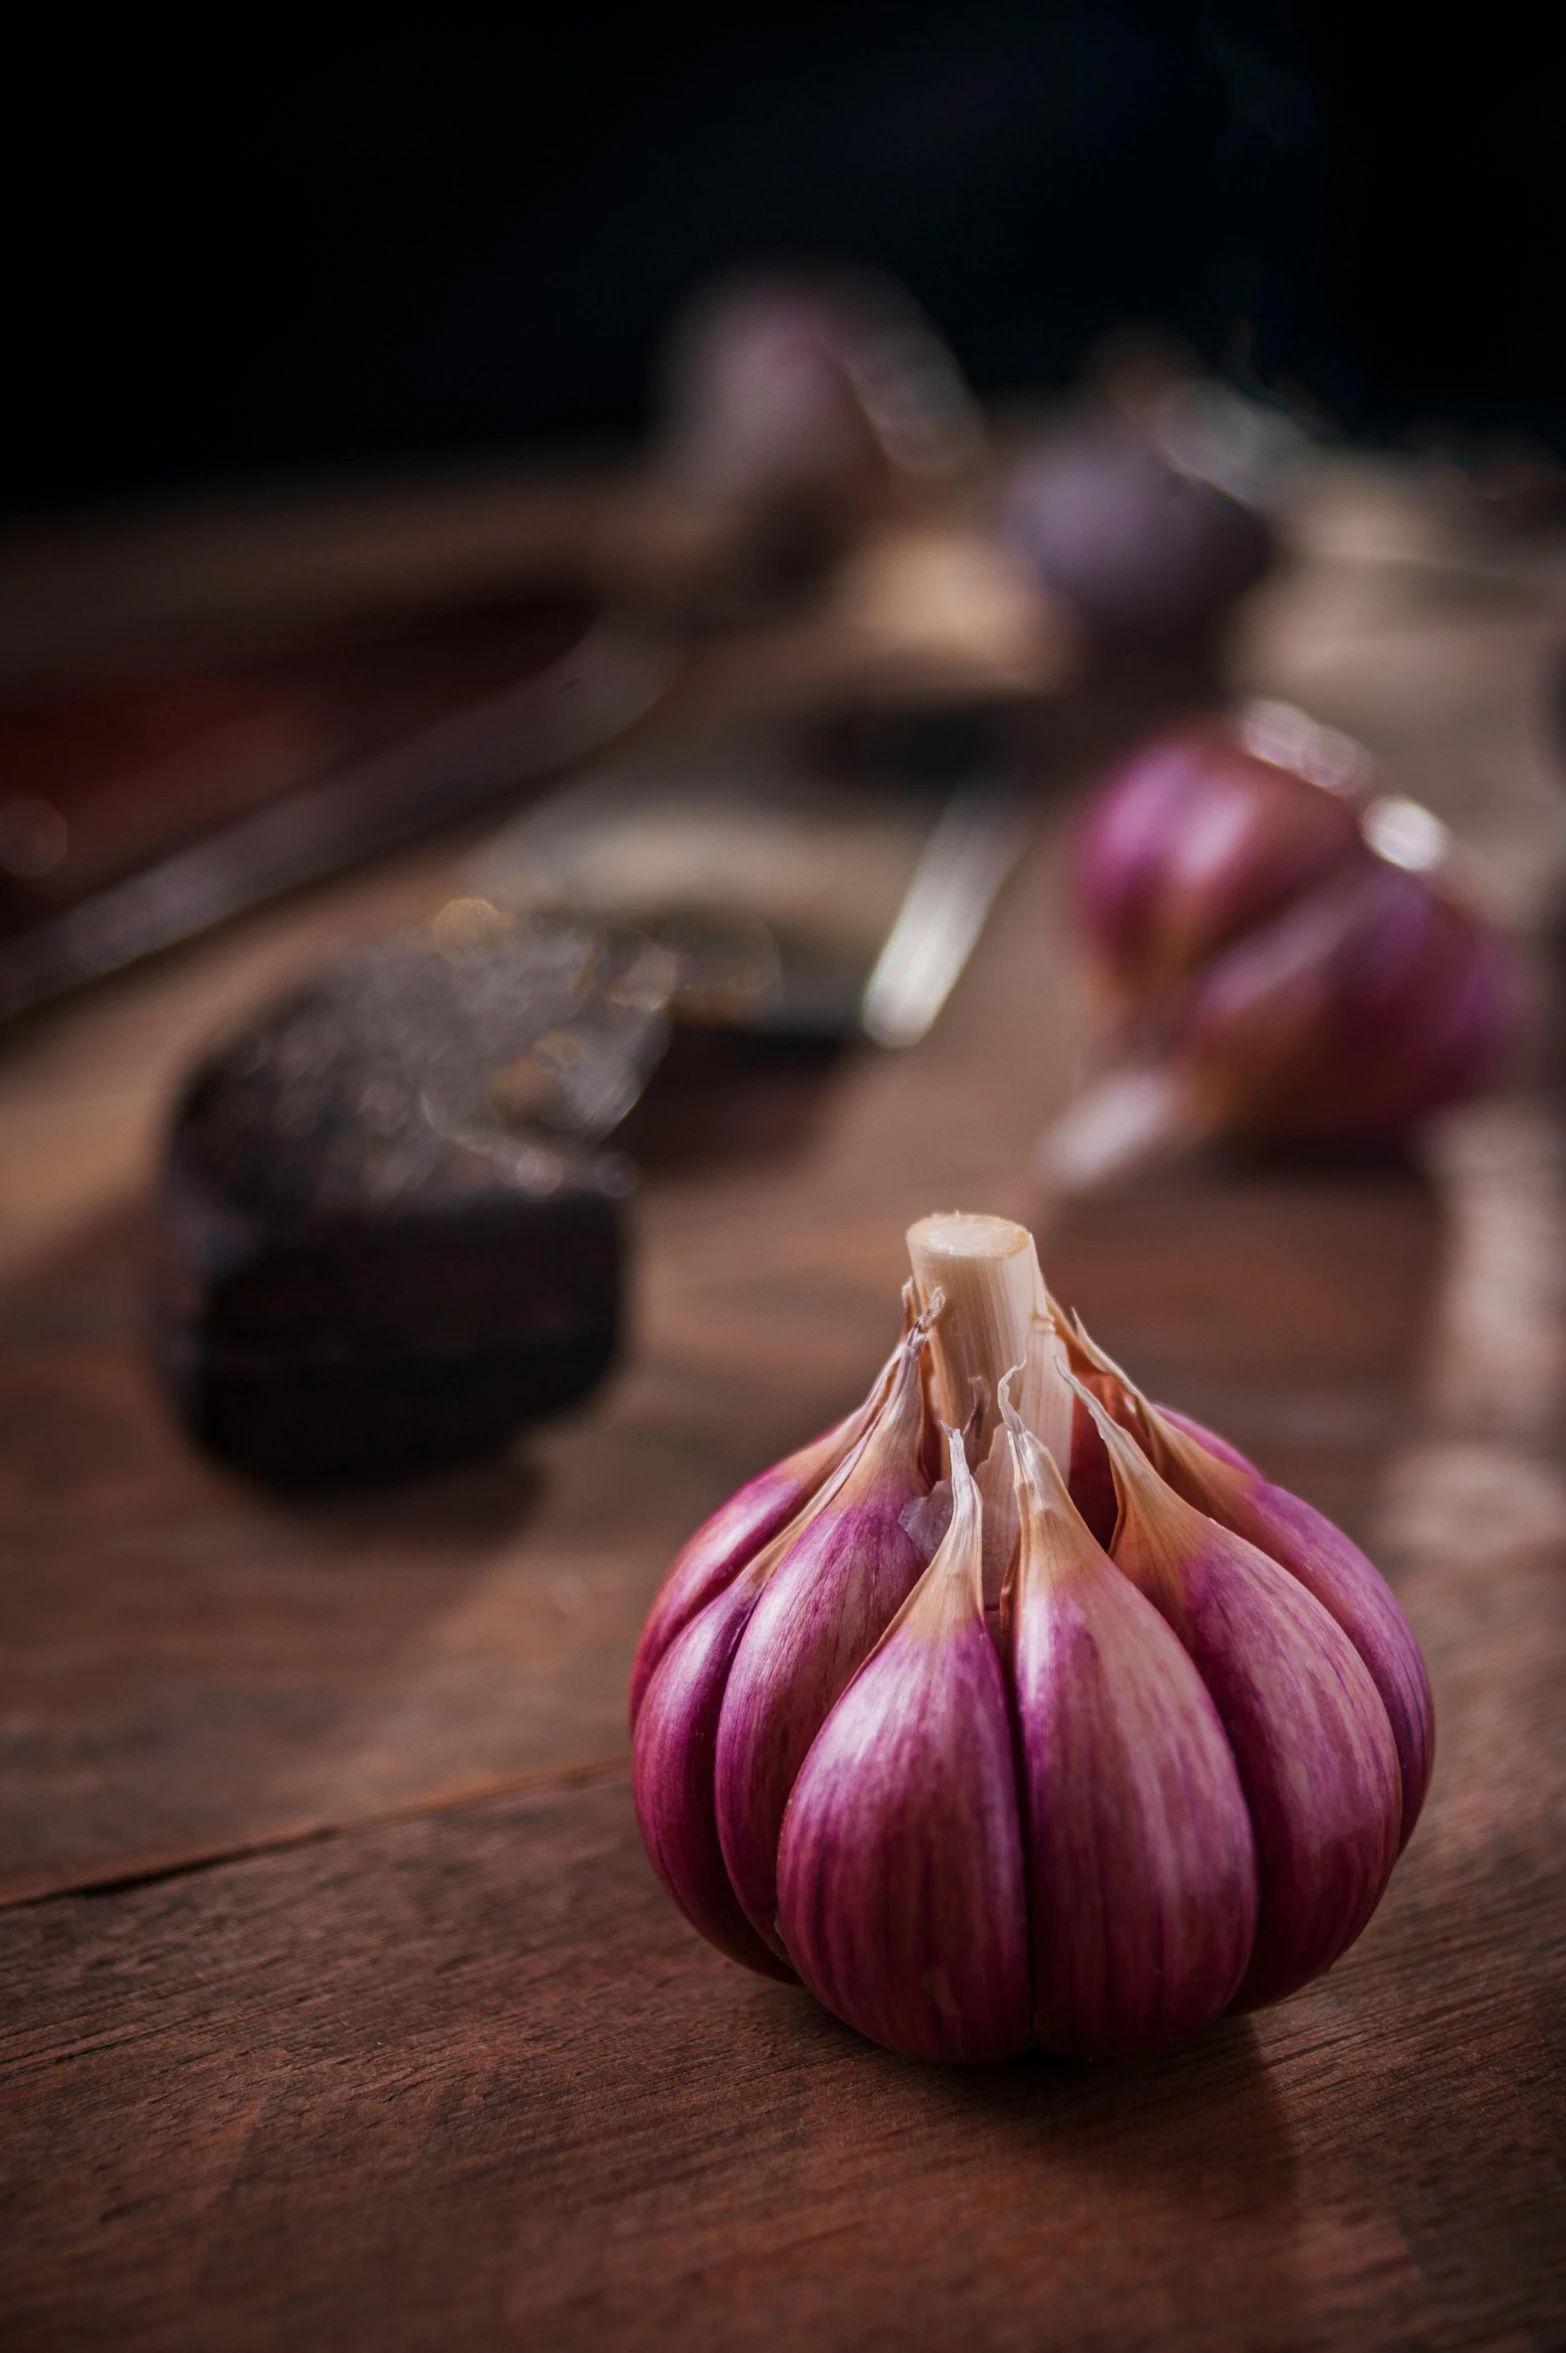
[1330, 1566]
[900, 1875]
[671, 1773]
[1124, 1400]
[738, 1529]
[1218, 1480]
[824, 1607]
[1311, 1739]
[1141, 1864]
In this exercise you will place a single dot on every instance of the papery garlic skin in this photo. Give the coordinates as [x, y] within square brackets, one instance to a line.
[823, 1608]
[1311, 1738]
[1141, 1863]
[900, 1878]
[1210, 1442]
[995, 1311]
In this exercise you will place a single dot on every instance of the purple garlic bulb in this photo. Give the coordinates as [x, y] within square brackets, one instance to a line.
[990, 1766]
[1143, 548]
[1192, 841]
[1280, 947]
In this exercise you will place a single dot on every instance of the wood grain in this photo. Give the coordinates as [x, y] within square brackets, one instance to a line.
[443, 2068]
[469, 2081]
[193, 1666]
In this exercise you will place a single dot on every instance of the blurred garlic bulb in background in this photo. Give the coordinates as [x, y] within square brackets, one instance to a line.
[1144, 506]
[1280, 949]
[814, 400]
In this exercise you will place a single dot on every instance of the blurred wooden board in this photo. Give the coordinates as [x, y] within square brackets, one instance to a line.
[445, 2067]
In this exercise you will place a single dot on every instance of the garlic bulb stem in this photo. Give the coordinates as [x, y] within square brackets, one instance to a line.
[996, 1319]
[988, 1269]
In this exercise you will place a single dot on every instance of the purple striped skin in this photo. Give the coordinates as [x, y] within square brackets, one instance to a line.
[1142, 1873]
[1310, 1736]
[826, 1605]
[672, 1754]
[1218, 1480]
[713, 1558]
[901, 1893]
[737, 1530]
[1331, 1566]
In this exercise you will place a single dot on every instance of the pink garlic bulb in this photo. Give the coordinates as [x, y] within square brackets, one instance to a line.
[1191, 842]
[1350, 1018]
[986, 1779]
[1280, 949]
[1144, 548]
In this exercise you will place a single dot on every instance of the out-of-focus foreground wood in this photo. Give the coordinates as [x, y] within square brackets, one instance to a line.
[339, 2005]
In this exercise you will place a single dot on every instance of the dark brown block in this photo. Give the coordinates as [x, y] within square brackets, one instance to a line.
[358, 1274]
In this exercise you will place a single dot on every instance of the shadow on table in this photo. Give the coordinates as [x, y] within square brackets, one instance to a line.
[194, 1663]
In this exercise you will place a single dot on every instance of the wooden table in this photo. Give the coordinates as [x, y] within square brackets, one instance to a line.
[340, 2005]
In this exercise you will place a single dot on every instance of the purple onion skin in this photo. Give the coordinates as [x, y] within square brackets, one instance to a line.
[901, 1891]
[1142, 1876]
[825, 1607]
[1329, 1565]
[1371, 1003]
[1142, 551]
[1188, 845]
[673, 1753]
[1310, 1736]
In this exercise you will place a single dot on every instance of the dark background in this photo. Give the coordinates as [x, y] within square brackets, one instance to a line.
[252, 251]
